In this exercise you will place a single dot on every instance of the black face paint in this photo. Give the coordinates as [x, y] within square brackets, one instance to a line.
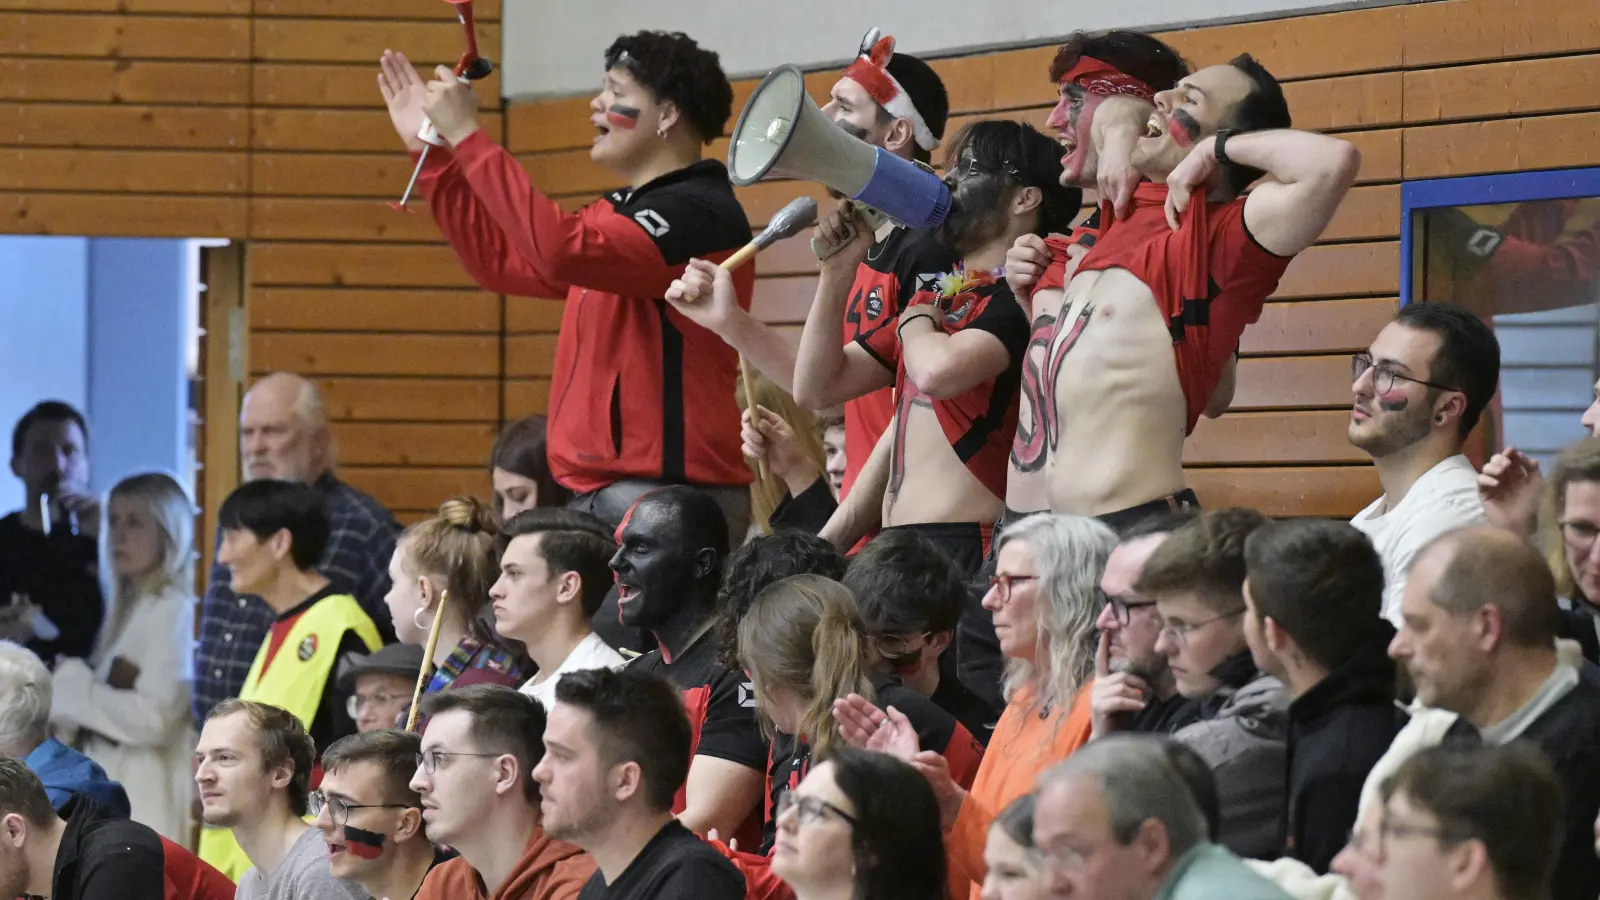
[625, 117]
[363, 844]
[654, 566]
[1394, 405]
[1183, 128]
[977, 212]
[855, 131]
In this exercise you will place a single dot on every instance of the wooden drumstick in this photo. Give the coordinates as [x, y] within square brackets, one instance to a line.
[427, 661]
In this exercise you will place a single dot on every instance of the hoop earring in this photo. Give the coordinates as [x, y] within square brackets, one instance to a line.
[417, 616]
[661, 132]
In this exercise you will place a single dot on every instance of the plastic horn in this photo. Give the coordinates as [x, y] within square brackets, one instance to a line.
[798, 215]
[427, 661]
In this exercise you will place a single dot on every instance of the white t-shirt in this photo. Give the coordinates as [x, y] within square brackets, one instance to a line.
[1443, 499]
[591, 653]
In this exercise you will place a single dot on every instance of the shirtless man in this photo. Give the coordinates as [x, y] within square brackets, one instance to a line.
[1154, 312]
[957, 351]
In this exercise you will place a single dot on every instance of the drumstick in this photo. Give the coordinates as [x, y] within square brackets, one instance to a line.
[427, 661]
[797, 214]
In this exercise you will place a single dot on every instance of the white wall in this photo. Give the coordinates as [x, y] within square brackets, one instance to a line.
[554, 47]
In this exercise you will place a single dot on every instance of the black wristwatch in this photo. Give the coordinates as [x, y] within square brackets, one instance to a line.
[1220, 150]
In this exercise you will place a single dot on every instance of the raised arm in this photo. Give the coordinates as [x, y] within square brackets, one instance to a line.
[705, 295]
[862, 509]
[827, 372]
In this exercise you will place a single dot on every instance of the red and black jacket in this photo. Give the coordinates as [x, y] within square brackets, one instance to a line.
[637, 391]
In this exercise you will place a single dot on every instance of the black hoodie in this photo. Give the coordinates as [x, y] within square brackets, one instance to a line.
[105, 857]
[1337, 732]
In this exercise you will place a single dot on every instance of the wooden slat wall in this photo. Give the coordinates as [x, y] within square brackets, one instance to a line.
[1454, 87]
[260, 119]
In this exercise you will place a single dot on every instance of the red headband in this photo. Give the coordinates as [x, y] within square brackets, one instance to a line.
[1098, 77]
[871, 70]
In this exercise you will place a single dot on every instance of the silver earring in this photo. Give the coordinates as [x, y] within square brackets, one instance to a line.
[416, 618]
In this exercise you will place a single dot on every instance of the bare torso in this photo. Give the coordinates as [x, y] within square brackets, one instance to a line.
[1119, 408]
[927, 481]
[1027, 483]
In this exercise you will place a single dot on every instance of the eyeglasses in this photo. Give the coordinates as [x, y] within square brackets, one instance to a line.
[810, 808]
[428, 760]
[1122, 608]
[1363, 843]
[1002, 584]
[1180, 631]
[354, 705]
[1579, 534]
[1383, 377]
[968, 165]
[899, 644]
[339, 810]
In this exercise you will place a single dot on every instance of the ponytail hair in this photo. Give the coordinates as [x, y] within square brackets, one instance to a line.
[458, 547]
[803, 636]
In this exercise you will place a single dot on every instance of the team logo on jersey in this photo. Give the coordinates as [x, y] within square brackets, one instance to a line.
[875, 303]
[927, 281]
[954, 316]
[747, 695]
[308, 648]
[651, 221]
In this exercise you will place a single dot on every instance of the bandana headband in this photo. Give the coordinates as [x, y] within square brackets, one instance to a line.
[871, 71]
[1098, 77]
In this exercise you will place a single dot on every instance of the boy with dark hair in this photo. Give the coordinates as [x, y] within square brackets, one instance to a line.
[254, 768]
[617, 752]
[1196, 578]
[48, 549]
[1312, 594]
[1419, 391]
[474, 773]
[644, 396]
[369, 816]
[759, 562]
[910, 596]
[554, 576]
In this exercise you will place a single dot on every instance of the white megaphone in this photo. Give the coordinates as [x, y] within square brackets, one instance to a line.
[781, 132]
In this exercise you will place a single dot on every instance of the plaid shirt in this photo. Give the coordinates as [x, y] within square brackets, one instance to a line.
[361, 538]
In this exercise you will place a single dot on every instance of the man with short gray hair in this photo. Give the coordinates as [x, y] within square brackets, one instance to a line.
[1117, 822]
[283, 434]
[25, 697]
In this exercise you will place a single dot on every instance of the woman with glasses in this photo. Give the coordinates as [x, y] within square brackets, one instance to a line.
[860, 825]
[1044, 597]
[1572, 517]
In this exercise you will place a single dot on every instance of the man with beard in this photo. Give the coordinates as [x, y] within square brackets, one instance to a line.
[898, 104]
[941, 466]
[1133, 687]
[1419, 390]
[668, 569]
[1154, 312]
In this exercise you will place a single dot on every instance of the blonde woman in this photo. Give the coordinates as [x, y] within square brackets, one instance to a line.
[129, 704]
[797, 492]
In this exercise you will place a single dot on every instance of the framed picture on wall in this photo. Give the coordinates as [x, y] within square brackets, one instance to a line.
[1522, 250]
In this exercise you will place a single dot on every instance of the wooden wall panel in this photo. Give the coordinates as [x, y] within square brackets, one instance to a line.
[259, 119]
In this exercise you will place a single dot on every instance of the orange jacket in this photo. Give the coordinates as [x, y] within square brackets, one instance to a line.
[1023, 745]
[548, 870]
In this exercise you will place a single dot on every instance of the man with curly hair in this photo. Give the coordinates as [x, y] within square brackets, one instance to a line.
[626, 414]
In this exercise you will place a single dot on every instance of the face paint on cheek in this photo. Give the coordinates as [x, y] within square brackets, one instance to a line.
[620, 116]
[1183, 128]
[363, 844]
[1397, 404]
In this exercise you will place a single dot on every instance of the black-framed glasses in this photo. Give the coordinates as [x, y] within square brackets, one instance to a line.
[1122, 607]
[339, 808]
[1004, 583]
[428, 760]
[900, 644]
[1180, 631]
[1580, 534]
[1384, 377]
[810, 808]
[968, 165]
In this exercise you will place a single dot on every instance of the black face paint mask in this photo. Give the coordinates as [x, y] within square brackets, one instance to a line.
[655, 567]
[977, 212]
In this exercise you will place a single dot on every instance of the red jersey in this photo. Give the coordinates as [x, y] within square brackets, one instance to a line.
[979, 422]
[637, 391]
[895, 269]
[1210, 278]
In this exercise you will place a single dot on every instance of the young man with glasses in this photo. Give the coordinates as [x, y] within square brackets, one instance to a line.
[1419, 391]
[474, 773]
[253, 768]
[1133, 686]
[370, 817]
[617, 750]
[1196, 578]
[1460, 824]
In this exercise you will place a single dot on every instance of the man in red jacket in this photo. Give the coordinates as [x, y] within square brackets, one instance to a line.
[640, 396]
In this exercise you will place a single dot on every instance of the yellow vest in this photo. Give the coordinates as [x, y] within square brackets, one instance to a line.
[296, 682]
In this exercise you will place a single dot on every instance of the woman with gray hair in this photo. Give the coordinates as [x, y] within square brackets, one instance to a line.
[1044, 597]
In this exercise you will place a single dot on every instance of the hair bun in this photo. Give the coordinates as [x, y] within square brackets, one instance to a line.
[469, 514]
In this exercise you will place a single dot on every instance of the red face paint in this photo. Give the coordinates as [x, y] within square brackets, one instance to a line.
[625, 117]
[363, 844]
[1183, 128]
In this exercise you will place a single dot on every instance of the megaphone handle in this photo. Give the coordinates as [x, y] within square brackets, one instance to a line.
[823, 251]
